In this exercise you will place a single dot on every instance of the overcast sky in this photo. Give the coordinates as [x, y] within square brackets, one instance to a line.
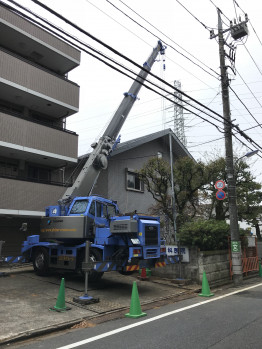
[102, 88]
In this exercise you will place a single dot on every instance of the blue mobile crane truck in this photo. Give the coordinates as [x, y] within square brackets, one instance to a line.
[121, 243]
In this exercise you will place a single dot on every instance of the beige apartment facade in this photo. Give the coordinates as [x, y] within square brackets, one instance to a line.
[36, 97]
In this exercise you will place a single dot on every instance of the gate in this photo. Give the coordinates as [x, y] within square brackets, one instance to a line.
[250, 260]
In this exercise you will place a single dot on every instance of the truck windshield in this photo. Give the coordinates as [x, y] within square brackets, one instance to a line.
[111, 210]
[79, 207]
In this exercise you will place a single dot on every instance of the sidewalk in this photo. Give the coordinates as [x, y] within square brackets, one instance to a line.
[26, 299]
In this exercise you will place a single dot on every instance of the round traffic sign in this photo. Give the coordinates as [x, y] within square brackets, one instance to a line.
[220, 184]
[220, 195]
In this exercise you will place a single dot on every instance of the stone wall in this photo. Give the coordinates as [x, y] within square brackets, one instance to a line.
[214, 263]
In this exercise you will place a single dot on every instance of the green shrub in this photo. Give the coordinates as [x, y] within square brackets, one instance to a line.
[207, 235]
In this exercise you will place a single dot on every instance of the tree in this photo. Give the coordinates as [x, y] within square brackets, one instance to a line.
[249, 194]
[189, 177]
[195, 192]
[249, 197]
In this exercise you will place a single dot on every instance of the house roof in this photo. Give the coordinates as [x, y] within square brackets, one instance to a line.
[178, 148]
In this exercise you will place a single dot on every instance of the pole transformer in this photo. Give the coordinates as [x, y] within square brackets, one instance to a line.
[231, 181]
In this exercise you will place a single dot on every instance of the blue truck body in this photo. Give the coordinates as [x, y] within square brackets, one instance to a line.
[121, 243]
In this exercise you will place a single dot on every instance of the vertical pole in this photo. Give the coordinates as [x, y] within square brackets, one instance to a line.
[172, 185]
[174, 202]
[233, 215]
[88, 243]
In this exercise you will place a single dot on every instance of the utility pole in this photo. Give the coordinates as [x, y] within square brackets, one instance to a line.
[237, 32]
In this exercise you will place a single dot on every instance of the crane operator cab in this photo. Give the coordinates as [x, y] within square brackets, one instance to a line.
[82, 217]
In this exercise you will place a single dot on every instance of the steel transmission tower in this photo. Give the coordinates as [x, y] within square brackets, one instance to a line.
[179, 122]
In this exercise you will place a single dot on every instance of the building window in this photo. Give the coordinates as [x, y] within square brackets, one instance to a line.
[8, 169]
[39, 174]
[133, 181]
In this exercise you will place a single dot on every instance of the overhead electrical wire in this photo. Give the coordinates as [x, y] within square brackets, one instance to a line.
[128, 59]
[134, 78]
[258, 124]
[245, 48]
[106, 14]
[206, 27]
[236, 70]
[115, 51]
[121, 55]
[162, 39]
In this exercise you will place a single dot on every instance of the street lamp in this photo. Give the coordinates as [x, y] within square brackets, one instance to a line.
[249, 154]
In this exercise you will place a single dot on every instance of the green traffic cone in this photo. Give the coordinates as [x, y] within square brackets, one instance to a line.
[260, 270]
[60, 303]
[135, 308]
[205, 287]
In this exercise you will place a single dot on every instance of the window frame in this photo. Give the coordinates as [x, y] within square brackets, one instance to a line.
[131, 172]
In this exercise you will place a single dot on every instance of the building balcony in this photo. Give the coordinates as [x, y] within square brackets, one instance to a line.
[27, 85]
[36, 143]
[31, 41]
[18, 198]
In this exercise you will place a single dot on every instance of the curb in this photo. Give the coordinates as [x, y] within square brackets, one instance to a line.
[114, 314]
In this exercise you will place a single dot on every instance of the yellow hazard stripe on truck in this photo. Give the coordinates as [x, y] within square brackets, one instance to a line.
[160, 264]
[132, 267]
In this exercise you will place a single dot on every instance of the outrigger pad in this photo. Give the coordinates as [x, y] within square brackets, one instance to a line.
[85, 300]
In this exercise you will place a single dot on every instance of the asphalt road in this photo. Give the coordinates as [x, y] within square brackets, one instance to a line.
[232, 320]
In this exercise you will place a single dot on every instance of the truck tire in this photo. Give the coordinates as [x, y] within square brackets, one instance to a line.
[94, 255]
[41, 261]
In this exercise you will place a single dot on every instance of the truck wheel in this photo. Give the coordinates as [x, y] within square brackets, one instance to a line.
[41, 261]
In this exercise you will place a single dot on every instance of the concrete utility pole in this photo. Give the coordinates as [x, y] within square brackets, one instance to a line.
[231, 182]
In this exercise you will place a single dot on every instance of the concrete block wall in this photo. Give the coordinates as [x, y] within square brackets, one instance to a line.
[216, 266]
[214, 263]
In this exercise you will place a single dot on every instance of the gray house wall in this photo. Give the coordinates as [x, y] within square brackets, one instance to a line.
[112, 183]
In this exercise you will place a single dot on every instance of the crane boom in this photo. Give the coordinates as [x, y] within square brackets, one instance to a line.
[97, 160]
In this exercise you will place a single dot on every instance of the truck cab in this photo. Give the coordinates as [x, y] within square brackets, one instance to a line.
[79, 221]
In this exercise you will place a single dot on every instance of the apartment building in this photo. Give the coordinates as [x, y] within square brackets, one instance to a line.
[36, 97]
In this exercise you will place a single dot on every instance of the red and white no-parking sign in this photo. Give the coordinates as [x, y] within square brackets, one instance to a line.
[220, 195]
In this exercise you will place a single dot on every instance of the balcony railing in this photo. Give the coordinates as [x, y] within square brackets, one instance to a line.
[6, 174]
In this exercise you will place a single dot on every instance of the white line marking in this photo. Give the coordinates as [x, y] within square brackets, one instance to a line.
[125, 328]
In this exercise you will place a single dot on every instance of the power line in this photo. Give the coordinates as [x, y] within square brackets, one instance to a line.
[161, 38]
[253, 60]
[206, 27]
[245, 106]
[118, 53]
[128, 59]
